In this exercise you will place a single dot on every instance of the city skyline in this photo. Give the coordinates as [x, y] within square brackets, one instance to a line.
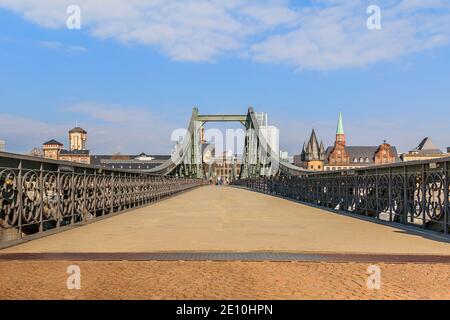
[130, 93]
[223, 128]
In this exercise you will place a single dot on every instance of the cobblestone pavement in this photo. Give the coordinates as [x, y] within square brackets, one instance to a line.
[221, 280]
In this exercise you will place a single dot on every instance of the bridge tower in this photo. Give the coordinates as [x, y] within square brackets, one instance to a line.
[260, 156]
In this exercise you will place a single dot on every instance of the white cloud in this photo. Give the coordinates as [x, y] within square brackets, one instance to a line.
[336, 36]
[327, 34]
[56, 45]
[193, 30]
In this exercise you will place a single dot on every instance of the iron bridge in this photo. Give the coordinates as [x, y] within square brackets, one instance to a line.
[39, 196]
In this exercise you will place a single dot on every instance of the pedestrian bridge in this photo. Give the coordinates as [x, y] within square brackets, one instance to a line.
[229, 219]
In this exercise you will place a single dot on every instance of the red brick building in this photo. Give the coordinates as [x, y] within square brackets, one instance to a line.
[341, 156]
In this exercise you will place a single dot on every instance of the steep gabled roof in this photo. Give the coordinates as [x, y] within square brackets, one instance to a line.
[313, 144]
[427, 146]
[312, 151]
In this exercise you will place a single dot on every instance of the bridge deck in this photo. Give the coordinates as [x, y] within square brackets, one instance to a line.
[235, 220]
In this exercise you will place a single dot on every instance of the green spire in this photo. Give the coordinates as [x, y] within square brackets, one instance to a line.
[340, 127]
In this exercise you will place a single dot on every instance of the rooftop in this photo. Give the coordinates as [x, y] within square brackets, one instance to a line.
[74, 152]
[364, 153]
[53, 142]
[128, 159]
[426, 147]
[77, 130]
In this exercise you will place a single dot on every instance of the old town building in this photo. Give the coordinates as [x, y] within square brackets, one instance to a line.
[77, 148]
[313, 154]
[426, 150]
[52, 149]
[78, 153]
[226, 166]
[340, 156]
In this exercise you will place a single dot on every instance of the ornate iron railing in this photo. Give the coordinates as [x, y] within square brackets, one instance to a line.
[38, 195]
[415, 193]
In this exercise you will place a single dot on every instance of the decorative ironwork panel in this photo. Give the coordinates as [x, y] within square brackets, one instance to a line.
[434, 196]
[60, 194]
[9, 213]
[409, 193]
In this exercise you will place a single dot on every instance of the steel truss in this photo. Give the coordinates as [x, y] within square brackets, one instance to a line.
[258, 157]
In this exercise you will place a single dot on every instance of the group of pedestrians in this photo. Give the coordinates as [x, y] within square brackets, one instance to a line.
[219, 181]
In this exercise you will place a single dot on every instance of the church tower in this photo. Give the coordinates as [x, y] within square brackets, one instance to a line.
[340, 134]
[339, 155]
[313, 154]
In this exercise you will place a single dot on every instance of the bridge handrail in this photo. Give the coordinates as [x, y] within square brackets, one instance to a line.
[39, 195]
[411, 193]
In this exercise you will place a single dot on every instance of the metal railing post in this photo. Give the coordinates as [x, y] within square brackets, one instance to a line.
[424, 190]
[446, 196]
[390, 195]
[94, 206]
[84, 208]
[356, 193]
[20, 198]
[366, 192]
[405, 196]
[377, 206]
[72, 198]
[60, 195]
[41, 197]
[112, 192]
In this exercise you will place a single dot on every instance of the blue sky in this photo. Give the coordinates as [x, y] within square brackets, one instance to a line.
[134, 71]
